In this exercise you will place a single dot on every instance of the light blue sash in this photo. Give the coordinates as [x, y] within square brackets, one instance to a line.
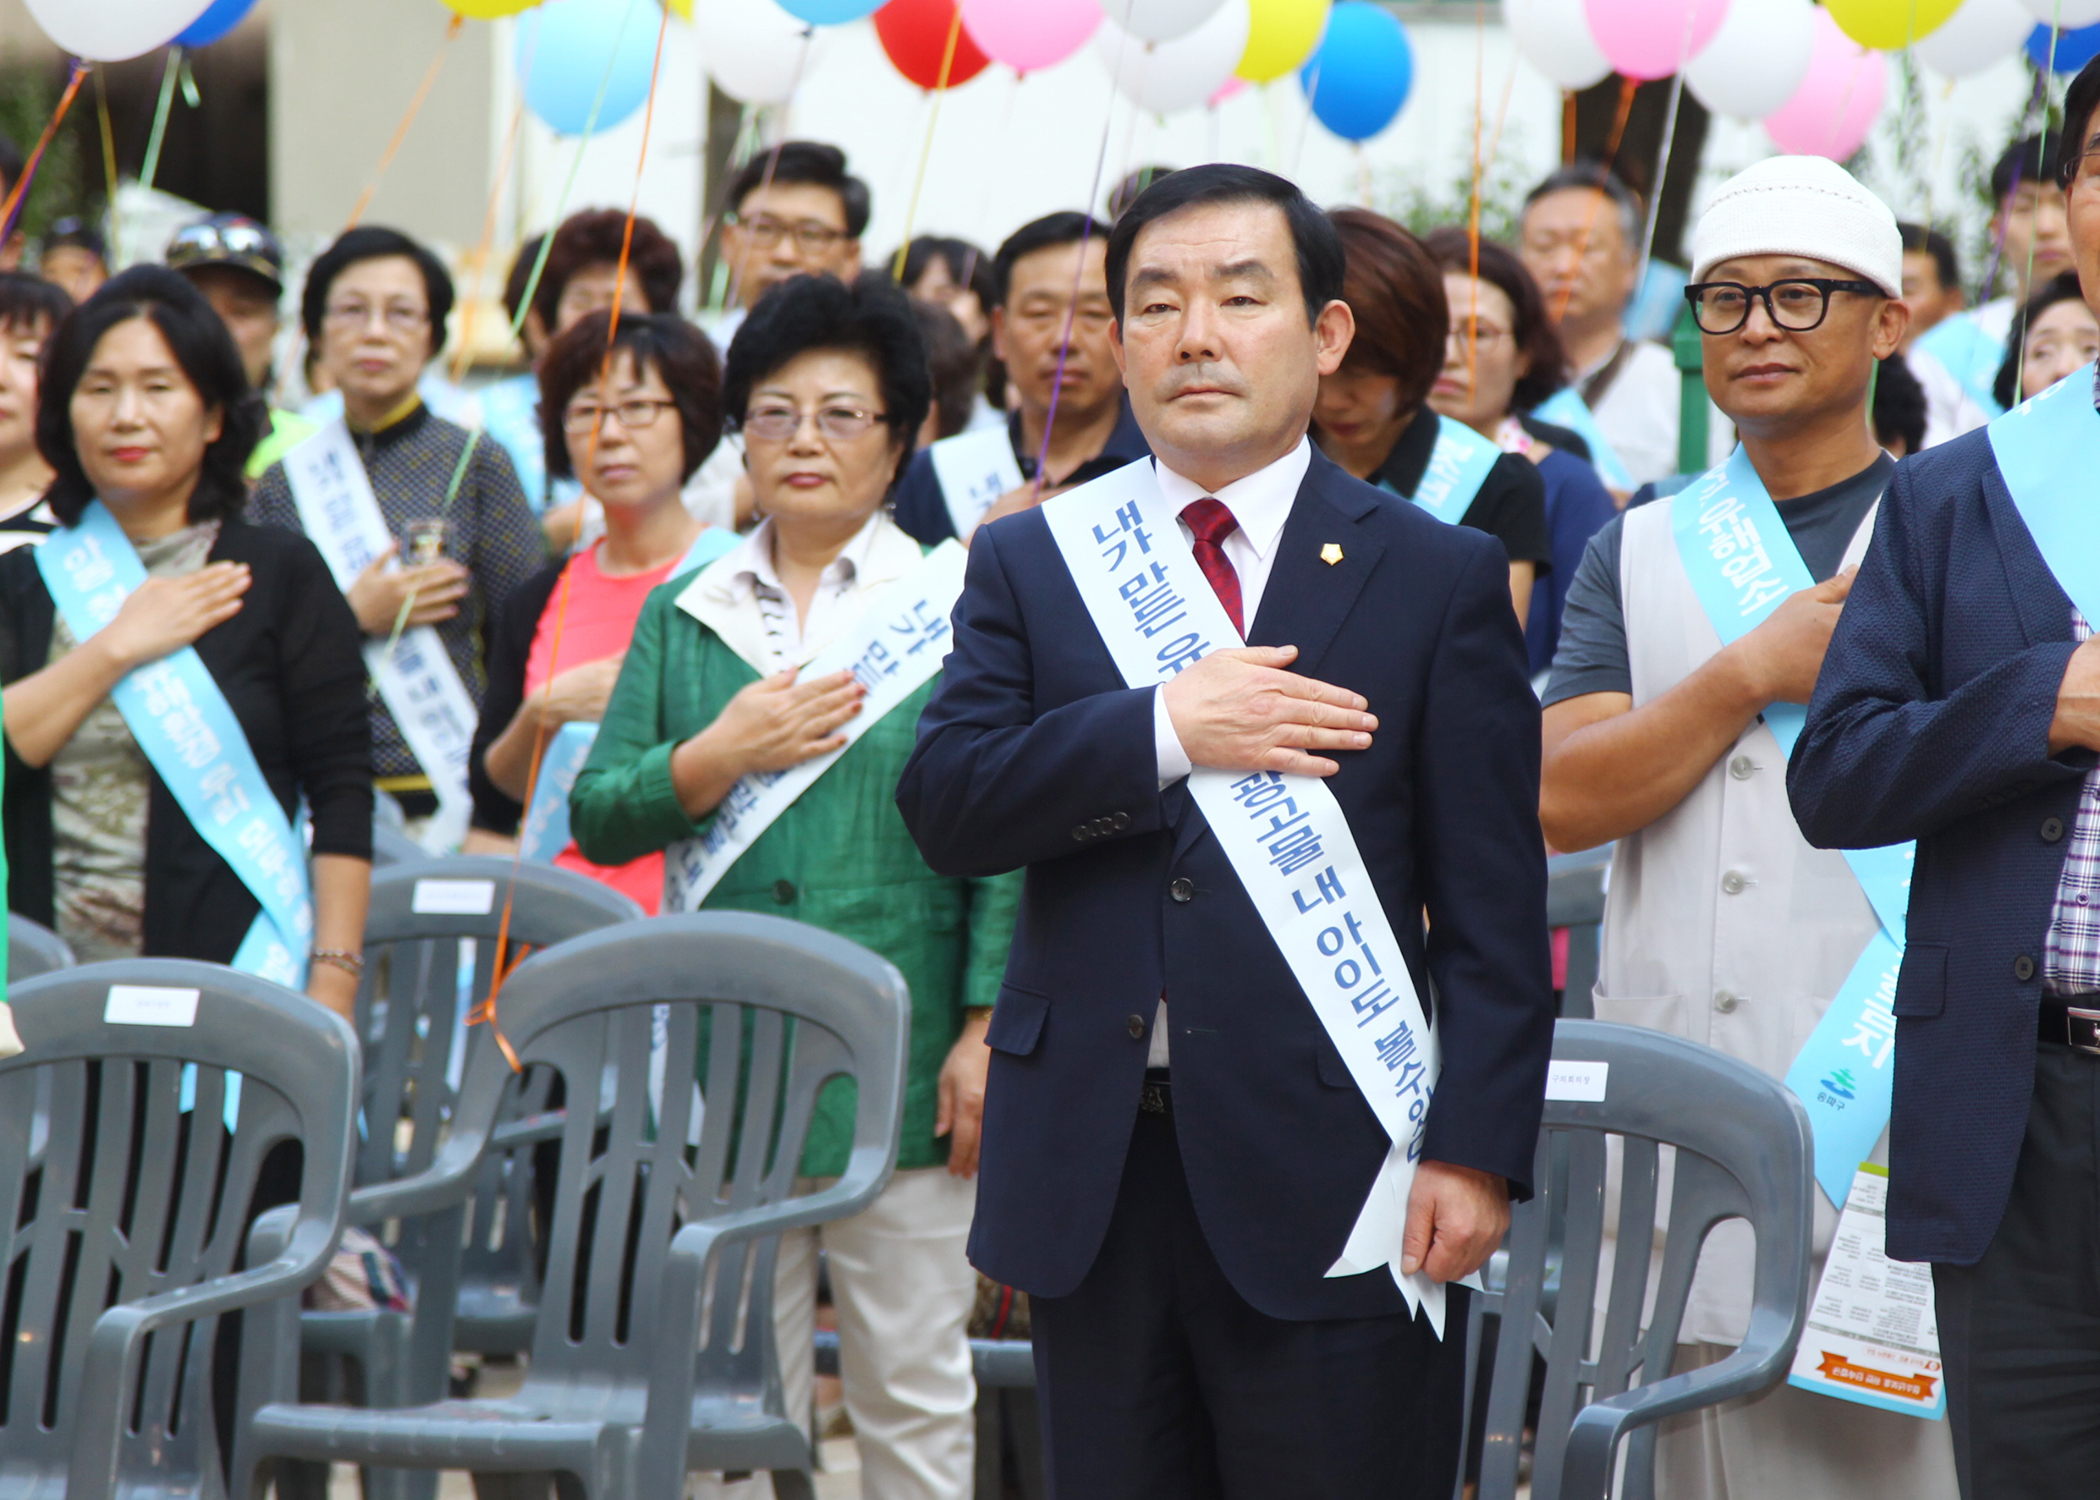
[1970, 355]
[1742, 564]
[545, 831]
[510, 414]
[2046, 450]
[1458, 466]
[1566, 408]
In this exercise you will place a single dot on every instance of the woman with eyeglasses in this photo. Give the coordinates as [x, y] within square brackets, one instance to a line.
[422, 523]
[1373, 415]
[2054, 334]
[828, 384]
[634, 432]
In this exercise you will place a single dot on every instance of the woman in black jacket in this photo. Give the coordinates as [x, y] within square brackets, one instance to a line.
[146, 415]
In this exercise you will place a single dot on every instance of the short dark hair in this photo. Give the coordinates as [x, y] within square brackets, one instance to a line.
[680, 353]
[809, 162]
[967, 265]
[2032, 158]
[1319, 248]
[1395, 290]
[374, 243]
[1899, 405]
[74, 233]
[27, 300]
[951, 364]
[519, 281]
[1125, 193]
[870, 317]
[1595, 177]
[1536, 338]
[2080, 99]
[202, 347]
[1919, 240]
[1051, 230]
[593, 238]
[2062, 287]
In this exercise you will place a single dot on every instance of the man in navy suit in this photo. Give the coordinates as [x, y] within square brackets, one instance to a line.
[1174, 1151]
[1959, 704]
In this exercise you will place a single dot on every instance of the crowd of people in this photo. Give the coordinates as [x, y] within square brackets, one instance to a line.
[570, 614]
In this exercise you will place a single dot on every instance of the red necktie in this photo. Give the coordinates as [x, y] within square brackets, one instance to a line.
[1210, 522]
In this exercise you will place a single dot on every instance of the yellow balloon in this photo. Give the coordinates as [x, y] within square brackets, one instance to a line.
[1281, 35]
[490, 10]
[683, 9]
[1890, 25]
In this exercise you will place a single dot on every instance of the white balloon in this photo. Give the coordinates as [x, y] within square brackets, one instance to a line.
[1981, 33]
[1756, 60]
[755, 51]
[2065, 15]
[1168, 76]
[1554, 37]
[1160, 20]
[112, 30]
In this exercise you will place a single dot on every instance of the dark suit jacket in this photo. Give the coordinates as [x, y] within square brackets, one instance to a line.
[1034, 753]
[921, 510]
[1931, 722]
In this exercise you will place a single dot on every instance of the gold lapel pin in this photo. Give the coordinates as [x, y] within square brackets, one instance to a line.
[1331, 553]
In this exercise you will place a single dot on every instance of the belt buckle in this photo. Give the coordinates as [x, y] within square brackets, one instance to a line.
[2082, 1030]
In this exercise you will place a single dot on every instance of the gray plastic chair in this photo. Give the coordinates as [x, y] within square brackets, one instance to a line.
[409, 1008]
[637, 1377]
[1742, 1151]
[33, 949]
[1575, 900]
[123, 1243]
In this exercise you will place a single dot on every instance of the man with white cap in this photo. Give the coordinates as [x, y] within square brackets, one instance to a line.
[1694, 631]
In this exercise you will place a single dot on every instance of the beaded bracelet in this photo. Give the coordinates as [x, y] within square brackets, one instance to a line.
[350, 963]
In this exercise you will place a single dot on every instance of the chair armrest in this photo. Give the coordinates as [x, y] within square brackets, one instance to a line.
[1594, 1435]
[448, 1180]
[529, 1130]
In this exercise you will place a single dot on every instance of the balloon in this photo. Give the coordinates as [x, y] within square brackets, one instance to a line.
[1889, 25]
[1030, 34]
[1281, 34]
[756, 52]
[1756, 60]
[218, 19]
[914, 33]
[1359, 77]
[1160, 20]
[1653, 38]
[2074, 49]
[1830, 114]
[568, 49]
[829, 12]
[1168, 76]
[490, 10]
[1980, 34]
[1554, 37]
[112, 30]
[2069, 14]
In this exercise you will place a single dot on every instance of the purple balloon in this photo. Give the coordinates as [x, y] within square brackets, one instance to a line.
[221, 18]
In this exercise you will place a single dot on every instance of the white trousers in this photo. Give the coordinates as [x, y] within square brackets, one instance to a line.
[903, 1290]
[1789, 1444]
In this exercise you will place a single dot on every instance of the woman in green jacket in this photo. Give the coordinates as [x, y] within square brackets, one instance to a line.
[828, 383]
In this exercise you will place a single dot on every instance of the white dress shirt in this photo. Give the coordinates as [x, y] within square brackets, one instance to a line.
[1261, 503]
[754, 584]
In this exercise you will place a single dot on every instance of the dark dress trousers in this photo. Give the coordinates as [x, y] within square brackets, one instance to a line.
[1034, 753]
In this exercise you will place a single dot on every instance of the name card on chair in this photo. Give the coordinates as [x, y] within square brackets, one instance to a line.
[149, 1005]
[1577, 1082]
[454, 898]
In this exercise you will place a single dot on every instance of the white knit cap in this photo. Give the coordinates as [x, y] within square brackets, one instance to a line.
[1801, 205]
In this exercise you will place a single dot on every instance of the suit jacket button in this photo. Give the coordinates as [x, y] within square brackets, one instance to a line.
[2052, 830]
[1136, 1027]
[2023, 968]
[1082, 833]
[1103, 828]
[1182, 888]
[783, 891]
[1120, 821]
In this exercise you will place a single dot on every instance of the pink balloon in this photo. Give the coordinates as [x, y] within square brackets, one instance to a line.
[1832, 111]
[1227, 89]
[1030, 34]
[1653, 38]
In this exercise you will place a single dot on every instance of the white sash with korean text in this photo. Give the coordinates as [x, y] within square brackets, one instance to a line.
[893, 649]
[1286, 837]
[415, 677]
[974, 469]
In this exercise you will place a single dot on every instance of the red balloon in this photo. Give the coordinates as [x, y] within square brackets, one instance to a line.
[915, 35]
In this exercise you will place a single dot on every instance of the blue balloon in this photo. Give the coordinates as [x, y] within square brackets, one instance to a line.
[1360, 74]
[2074, 49]
[221, 18]
[830, 12]
[568, 49]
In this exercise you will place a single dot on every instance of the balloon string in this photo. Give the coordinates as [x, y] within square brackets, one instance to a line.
[109, 167]
[11, 208]
[1611, 159]
[487, 1010]
[2019, 390]
[415, 104]
[940, 88]
[765, 181]
[486, 247]
[1473, 211]
[151, 167]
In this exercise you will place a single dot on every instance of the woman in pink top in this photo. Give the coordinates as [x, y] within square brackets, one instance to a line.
[632, 429]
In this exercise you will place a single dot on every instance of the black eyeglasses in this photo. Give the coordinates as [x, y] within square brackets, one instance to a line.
[1796, 304]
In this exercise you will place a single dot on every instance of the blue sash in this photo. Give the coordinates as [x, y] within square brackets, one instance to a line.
[2045, 450]
[1566, 408]
[1742, 564]
[545, 831]
[510, 413]
[1458, 466]
[1970, 355]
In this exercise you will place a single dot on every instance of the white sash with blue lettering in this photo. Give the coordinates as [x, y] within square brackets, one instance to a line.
[1566, 408]
[2045, 450]
[545, 831]
[1458, 467]
[186, 728]
[1742, 564]
[894, 648]
[1286, 837]
[974, 469]
[1969, 354]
